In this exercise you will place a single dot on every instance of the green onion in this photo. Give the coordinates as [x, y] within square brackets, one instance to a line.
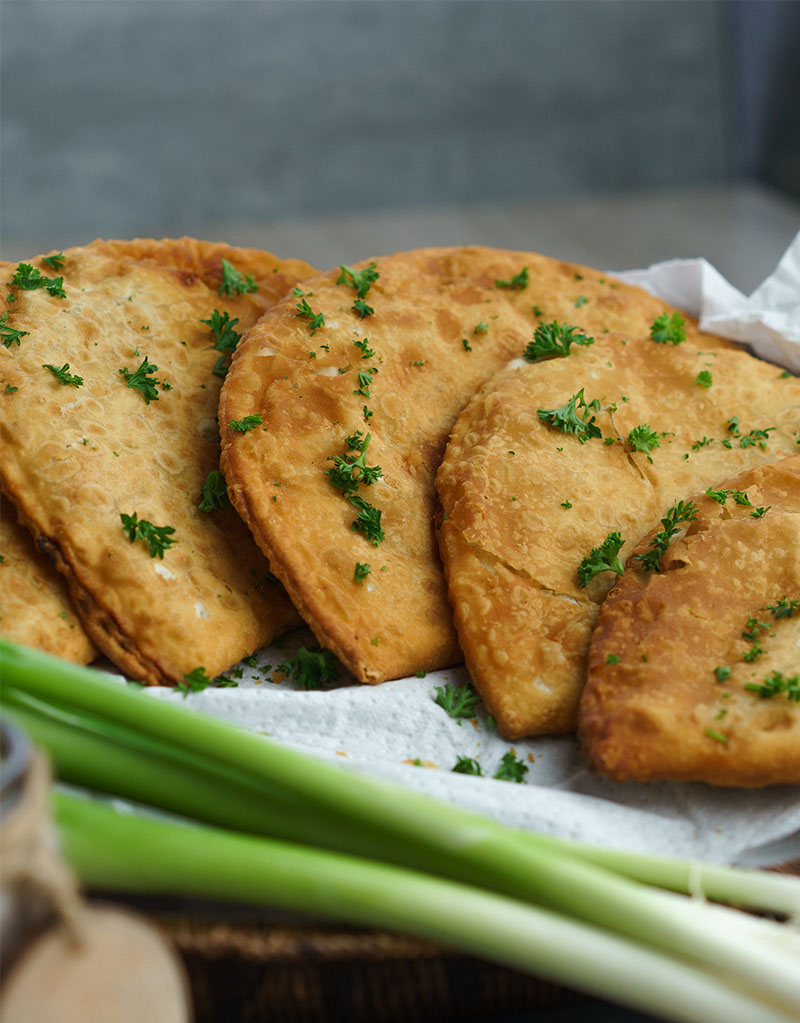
[130, 852]
[114, 739]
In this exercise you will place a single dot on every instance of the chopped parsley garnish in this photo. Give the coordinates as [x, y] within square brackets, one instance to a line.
[8, 335]
[63, 374]
[27, 278]
[613, 659]
[568, 420]
[364, 348]
[716, 736]
[360, 280]
[368, 520]
[749, 440]
[466, 344]
[466, 765]
[221, 367]
[481, 328]
[458, 701]
[759, 513]
[361, 307]
[56, 261]
[511, 769]
[9, 389]
[362, 570]
[214, 494]
[157, 538]
[704, 443]
[566, 505]
[723, 673]
[668, 329]
[553, 340]
[783, 608]
[580, 301]
[604, 558]
[517, 283]
[704, 379]
[364, 382]
[305, 312]
[309, 669]
[643, 438]
[348, 474]
[140, 379]
[233, 282]
[680, 512]
[221, 325]
[248, 423]
[194, 681]
[775, 684]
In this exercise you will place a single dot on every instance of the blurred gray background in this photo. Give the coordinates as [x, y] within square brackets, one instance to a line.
[325, 118]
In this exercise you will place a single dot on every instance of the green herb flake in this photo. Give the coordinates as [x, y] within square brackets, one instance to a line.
[233, 282]
[221, 326]
[783, 608]
[680, 512]
[315, 320]
[214, 493]
[643, 438]
[722, 672]
[157, 538]
[613, 659]
[8, 335]
[368, 520]
[248, 423]
[27, 278]
[518, 282]
[668, 329]
[716, 736]
[567, 420]
[554, 340]
[362, 570]
[364, 348]
[194, 681]
[63, 375]
[56, 261]
[458, 701]
[511, 769]
[360, 280]
[348, 473]
[309, 668]
[704, 379]
[466, 344]
[604, 558]
[140, 379]
[466, 765]
[776, 684]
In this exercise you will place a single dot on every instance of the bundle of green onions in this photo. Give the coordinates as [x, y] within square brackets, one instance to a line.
[246, 819]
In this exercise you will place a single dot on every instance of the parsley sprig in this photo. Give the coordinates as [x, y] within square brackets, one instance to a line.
[783, 608]
[604, 558]
[248, 423]
[360, 280]
[568, 420]
[214, 493]
[157, 538]
[680, 512]
[140, 380]
[774, 684]
[643, 438]
[348, 473]
[466, 765]
[28, 278]
[56, 261]
[309, 668]
[315, 320]
[233, 282]
[63, 375]
[221, 325]
[8, 335]
[511, 769]
[458, 701]
[368, 519]
[668, 329]
[518, 282]
[554, 340]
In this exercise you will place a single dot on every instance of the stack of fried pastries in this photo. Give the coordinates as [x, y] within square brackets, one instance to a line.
[332, 381]
[110, 381]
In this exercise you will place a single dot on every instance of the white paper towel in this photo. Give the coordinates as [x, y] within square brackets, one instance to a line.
[383, 730]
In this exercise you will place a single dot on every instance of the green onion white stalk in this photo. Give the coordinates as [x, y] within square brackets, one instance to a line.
[108, 737]
[124, 851]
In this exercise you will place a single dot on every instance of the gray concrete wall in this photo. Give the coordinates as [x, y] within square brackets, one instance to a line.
[125, 117]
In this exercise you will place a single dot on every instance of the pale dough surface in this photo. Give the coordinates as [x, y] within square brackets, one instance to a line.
[76, 458]
[35, 609]
[659, 711]
[428, 360]
[523, 503]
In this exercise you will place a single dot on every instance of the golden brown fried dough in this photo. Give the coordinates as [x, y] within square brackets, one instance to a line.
[316, 371]
[694, 672]
[35, 608]
[523, 502]
[76, 458]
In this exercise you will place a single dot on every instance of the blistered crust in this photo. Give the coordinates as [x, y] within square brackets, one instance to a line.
[660, 710]
[516, 492]
[76, 458]
[429, 360]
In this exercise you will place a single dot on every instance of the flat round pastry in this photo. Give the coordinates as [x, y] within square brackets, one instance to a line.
[694, 672]
[354, 382]
[35, 609]
[110, 373]
[558, 468]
